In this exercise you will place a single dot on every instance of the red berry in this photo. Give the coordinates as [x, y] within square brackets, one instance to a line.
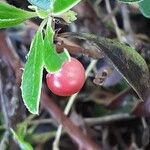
[69, 80]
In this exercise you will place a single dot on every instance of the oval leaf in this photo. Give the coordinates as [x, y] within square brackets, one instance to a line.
[11, 16]
[61, 6]
[42, 4]
[52, 60]
[127, 61]
[144, 7]
[32, 75]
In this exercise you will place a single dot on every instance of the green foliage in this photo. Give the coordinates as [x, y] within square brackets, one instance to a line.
[42, 52]
[61, 6]
[11, 16]
[20, 140]
[125, 59]
[32, 75]
[40, 12]
[52, 60]
[144, 7]
[57, 7]
[42, 4]
[69, 16]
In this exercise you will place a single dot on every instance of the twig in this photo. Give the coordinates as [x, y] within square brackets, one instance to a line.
[108, 7]
[108, 119]
[4, 141]
[90, 121]
[3, 104]
[41, 121]
[83, 141]
[145, 134]
[118, 99]
[144, 123]
[119, 138]
[127, 25]
[5, 137]
[69, 106]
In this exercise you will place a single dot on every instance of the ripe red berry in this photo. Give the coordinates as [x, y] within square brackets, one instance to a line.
[69, 80]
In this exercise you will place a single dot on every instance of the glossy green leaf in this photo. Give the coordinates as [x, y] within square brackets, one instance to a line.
[126, 60]
[130, 1]
[61, 6]
[144, 7]
[42, 4]
[11, 16]
[32, 75]
[52, 60]
[22, 143]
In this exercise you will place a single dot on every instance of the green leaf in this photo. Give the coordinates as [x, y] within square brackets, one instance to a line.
[32, 75]
[11, 16]
[61, 6]
[130, 1]
[52, 60]
[144, 7]
[69, 16]
[125, 59]
[40, 12]
[42, 4]
[23, 144]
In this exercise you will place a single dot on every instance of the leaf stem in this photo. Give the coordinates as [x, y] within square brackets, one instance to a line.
[42, 25]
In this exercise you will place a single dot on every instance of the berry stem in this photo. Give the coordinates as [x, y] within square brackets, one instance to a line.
[69, 106]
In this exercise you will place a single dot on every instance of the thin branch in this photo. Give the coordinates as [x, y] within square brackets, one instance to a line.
[83, 141]
[3, 104]
[4, 141]
[108, 119]
[108, 7]
[90, 121]
[127, 24]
